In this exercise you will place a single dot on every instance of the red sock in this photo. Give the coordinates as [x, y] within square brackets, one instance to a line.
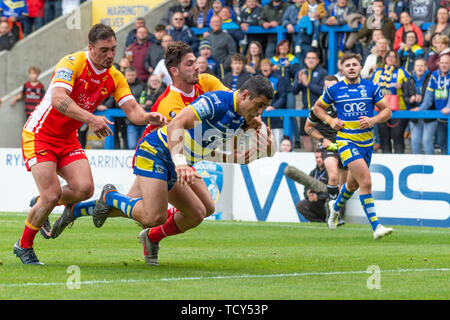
[172, 211]
[169, 228]
[28, 235]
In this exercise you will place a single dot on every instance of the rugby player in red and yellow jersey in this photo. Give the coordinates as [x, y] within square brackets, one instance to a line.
[50, 145]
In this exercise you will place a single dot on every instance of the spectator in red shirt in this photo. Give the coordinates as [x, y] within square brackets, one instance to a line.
[35, 16]
[137, 51]
[407, 25]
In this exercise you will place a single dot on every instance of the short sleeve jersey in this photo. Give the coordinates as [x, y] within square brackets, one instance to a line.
[88, 87]
[218, 122]
[353, 101]
[173, 100]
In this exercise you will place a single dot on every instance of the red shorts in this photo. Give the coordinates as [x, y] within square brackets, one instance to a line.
[39, 148]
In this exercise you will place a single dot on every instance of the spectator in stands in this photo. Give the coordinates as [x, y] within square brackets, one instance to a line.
[237, 76]
[286, 144]
[183, 6]
[160, 68]
[437, 94]
[410, 51]
[160, 31]
[280, 87]
[155, 87]
[423, 11]
[377, 34]
[215, 65]
[203, 66]
[395, 8]
[337, 14]
[52, 10]
[390, 78]
[289, 21]
[309, 16]
[375, 59]
[406, 26]
[422, 130]
[255, 54]
[136, 52]
[339, 75]
[441, 26]
[309, 81]
[131, 36]
[365, 7]
[288, 65]
[440, 46]
[35, 16]
[272, 16]
[198, 14]
[15, 12]
[7, 39]
[222, 44]
[123, 64]
[249, 16]
[228, 25]
[216, 6]
[154, 54]
[181, 32]
[32, 91]
[313, 206]
[378, 21]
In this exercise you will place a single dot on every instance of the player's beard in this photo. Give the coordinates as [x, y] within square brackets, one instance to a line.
[190, 78]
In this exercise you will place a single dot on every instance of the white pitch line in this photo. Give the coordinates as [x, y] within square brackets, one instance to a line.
[223, 277]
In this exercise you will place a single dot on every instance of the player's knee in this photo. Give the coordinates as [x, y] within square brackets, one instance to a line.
[333, 179]
[50, 198]
[198, 215]
[210, 209]
[154, 220]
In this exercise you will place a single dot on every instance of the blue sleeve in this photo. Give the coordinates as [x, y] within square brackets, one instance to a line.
[327, 97]
[427, 101]
[377, 94]
[211, 105]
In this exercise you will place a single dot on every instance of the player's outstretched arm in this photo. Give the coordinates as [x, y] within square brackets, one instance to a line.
[136, 114]
[62, 102]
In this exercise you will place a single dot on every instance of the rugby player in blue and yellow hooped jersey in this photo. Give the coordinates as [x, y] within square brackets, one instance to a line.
[355, 100]
[164, 158]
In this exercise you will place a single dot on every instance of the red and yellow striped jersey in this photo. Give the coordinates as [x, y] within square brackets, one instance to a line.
[172, 100]
[88, 87]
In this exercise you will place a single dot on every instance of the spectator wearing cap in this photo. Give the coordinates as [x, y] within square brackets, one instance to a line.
[214, 64]
[222, 44]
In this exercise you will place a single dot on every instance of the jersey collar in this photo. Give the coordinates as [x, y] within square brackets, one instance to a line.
[359, 81]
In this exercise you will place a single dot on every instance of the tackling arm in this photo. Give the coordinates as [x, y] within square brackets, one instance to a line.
[138, 116]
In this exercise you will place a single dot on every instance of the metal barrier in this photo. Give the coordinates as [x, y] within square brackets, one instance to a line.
[287, 114]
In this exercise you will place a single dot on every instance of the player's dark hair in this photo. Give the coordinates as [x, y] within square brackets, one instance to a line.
[331, 77]
[350, 55]
[175, 53]
[257, 86]
[100, 32]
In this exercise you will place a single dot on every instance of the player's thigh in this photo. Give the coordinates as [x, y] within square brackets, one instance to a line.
[186, 200]
[78, 176]
[201, 190]
[46, 179]
[359, 171]
[154, 195]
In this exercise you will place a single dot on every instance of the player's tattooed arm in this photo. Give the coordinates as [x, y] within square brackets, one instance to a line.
[64, 105]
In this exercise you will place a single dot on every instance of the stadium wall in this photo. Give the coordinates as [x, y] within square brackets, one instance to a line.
[408, 189]
[44, 48]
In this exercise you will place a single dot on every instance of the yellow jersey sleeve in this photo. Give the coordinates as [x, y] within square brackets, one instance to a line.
[68, 69]
[209, 82]
[122, 91]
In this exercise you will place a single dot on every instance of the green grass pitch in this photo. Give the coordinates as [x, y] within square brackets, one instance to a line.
[229, 260]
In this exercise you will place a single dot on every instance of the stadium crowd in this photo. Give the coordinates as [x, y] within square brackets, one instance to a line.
[404, 47]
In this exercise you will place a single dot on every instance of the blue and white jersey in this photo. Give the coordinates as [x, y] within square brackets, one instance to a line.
[353, 101]
[218, 121]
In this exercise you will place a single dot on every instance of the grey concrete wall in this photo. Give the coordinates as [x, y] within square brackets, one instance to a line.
[44, 48]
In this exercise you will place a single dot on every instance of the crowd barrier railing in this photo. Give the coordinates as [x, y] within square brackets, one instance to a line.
[332, 31]
[287, 114]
